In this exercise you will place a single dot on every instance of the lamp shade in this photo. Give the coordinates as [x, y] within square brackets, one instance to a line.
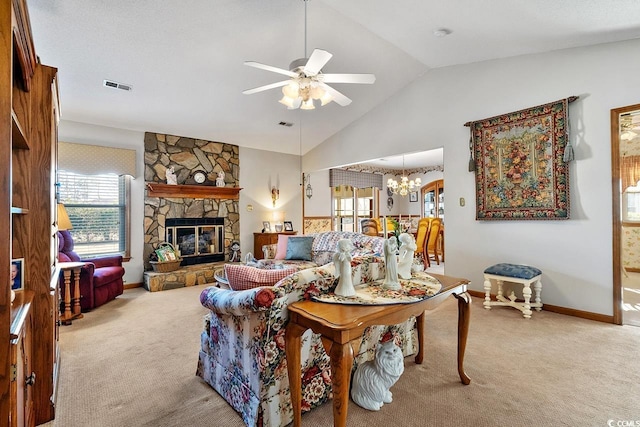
[278, 217]
[64, 223]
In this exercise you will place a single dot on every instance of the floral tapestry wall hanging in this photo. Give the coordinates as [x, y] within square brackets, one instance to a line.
[521, 163]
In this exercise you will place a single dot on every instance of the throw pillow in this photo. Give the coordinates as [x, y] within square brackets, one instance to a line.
[299, 248]
[281, 250]
[242, 277]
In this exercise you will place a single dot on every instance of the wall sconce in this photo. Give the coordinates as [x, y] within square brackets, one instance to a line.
[308, 191]
[275, 195]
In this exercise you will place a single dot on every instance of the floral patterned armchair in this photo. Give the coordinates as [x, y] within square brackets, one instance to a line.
[242, 353]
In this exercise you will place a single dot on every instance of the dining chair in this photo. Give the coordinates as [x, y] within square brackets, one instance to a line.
[433, 241]
[421, 240]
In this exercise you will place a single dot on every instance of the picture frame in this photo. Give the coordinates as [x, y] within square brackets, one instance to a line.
[288, 226]
[17, 274]
[266, 227]
[413, 196]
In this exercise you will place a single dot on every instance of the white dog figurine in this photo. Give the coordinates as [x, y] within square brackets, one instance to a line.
[372, 379]
[342, 262]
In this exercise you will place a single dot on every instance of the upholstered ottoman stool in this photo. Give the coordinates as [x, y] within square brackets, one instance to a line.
[514, 273]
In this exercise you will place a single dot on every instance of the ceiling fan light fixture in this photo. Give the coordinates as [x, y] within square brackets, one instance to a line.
[308, 105]
[307, 82]
[287, 101]
[316, 91]
[291, 90]
[325, 99]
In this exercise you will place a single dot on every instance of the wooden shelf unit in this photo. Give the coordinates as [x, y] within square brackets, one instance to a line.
[156, 189]
[22, 375]
[18, 137]
[28, 153]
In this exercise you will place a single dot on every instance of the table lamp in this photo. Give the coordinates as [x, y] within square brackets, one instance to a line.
[64, 223]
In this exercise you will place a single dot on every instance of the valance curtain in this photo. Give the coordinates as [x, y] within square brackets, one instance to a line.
[95, 159]
[355, 179]
[629, 171]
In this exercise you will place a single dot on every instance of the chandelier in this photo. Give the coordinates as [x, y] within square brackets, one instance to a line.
[405, 185]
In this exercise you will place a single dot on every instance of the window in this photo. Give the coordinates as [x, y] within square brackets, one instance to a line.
[99, 212]
[351, 205]
[631, 204]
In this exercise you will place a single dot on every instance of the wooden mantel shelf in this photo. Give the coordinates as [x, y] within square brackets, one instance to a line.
[156, 189]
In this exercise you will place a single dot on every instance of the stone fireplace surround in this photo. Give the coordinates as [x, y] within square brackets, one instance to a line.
[187, 155]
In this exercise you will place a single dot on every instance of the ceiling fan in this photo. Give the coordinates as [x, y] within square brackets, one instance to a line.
[307, 82]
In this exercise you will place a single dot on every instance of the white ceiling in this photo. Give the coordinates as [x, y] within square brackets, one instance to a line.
[184, 59]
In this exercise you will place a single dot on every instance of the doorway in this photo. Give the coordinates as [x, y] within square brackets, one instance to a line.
[625, 170]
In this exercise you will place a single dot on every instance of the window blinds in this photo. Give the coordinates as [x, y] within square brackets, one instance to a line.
[95, 159]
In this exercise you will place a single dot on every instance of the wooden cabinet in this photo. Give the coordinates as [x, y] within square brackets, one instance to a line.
[433, 200]
[22, 376]
[28, 141]
[261, 239]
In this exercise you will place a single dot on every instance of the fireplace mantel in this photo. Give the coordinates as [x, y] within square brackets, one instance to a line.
[157, 189]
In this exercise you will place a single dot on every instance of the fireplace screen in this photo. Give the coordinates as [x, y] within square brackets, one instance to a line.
[196, 240]
[201, 240]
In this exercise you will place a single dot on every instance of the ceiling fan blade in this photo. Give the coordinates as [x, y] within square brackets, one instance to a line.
[266, 87]
[270, 68]
[316, 61]
[349, 78]
[339, 98]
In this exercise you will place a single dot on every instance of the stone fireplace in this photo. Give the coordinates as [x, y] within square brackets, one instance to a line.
[167, 208]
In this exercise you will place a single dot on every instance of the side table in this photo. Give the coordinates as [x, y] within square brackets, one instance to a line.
[67, 316]
[342, 326]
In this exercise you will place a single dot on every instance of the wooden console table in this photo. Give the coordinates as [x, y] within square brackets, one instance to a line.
[67, 268]
[342, 326]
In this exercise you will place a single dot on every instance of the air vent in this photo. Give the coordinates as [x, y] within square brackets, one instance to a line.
[116, 85]
[287, 124]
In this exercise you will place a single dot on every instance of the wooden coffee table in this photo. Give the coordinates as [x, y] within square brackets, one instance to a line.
[341, 328]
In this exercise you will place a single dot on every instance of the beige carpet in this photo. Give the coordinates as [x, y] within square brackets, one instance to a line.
[132, 363]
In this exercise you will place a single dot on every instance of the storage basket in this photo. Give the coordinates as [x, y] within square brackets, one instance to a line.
[166, 266]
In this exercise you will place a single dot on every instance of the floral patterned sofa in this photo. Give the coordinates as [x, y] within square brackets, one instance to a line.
[242, 353]
[322, 249]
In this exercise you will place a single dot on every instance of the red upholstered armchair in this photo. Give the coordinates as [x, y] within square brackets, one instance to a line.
[100, 279]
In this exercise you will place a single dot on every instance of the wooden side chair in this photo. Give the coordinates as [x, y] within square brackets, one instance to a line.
[433, 242]
[422, 234]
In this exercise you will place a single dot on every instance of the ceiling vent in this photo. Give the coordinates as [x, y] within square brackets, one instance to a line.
[287, 124]
[116, 85]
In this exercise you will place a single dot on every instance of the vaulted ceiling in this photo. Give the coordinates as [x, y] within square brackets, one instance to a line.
[184, 59]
